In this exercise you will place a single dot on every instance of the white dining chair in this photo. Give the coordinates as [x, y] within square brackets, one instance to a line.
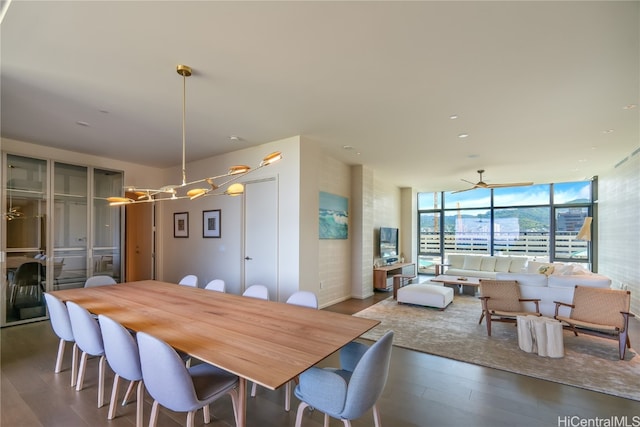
[122, 354]
[99, 280]
[178, 388]
[216, 285]
[189, 280]
[257, 291]
[304, 299]
[61, 324]
[86, 332]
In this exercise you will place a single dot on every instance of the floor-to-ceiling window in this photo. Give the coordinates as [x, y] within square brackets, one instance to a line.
[540, 222]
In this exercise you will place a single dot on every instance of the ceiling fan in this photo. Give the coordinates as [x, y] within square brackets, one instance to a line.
[482, 184]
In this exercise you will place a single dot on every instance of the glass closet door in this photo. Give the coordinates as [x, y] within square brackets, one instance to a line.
[25, 243]
[70, 213]
[107, 233]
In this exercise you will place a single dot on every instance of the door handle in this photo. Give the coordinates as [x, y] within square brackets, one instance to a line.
[248, 258]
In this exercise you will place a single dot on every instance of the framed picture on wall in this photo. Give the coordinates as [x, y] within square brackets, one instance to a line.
[211, 223]
[181, 224]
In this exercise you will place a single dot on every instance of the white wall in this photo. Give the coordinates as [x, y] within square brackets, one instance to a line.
[334, 256]
[387, 203]
[619, 226]
[223, 258]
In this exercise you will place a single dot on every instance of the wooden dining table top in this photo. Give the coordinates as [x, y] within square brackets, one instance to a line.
[266, 342]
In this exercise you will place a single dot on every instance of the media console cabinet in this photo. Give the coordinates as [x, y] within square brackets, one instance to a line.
[383, 276]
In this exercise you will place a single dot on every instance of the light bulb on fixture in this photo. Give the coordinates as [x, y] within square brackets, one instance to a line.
[146, 195]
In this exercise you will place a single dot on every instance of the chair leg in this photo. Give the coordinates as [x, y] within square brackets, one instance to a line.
[206, 413]
[489, 324]
[128, 393]
[153, 418]
[190, 418]
[300, 412]
[376, 416]
[326, 420]
[622, 339]
[253, 390]
[102, 364]
[74, 364]
[114, 397]
[234, 402]
[139, 404]
[61, 346]
[346, 423]
[81, 370]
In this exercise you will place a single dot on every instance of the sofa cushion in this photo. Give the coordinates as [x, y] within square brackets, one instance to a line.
[517, 264]
[502, 264]
[488, 263]
[472, 262]
[525, 279]
[455, 260]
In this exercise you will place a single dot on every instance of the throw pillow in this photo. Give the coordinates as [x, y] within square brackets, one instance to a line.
[546, 269]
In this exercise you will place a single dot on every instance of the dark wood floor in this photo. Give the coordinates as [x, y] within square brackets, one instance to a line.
[422, 390]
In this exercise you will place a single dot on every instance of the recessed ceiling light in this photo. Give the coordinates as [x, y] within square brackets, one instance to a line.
[607, 131]
[347, 147]
[629, 107]
[453, 116]
[463, 135]
[472, 156]
[234, 138]
[81, 123]
[104, 111]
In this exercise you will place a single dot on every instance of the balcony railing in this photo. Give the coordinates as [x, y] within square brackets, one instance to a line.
[530, 244]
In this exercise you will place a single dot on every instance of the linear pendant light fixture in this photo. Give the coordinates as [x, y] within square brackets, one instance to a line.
[170, 192]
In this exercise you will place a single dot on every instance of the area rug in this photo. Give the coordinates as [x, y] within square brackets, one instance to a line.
[589, 362]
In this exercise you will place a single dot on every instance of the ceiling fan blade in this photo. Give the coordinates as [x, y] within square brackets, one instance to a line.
[512, 184]
[467, 181]
[466, 189]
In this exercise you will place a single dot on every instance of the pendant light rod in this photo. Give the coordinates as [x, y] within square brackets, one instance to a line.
[150, 195]
[185, 71]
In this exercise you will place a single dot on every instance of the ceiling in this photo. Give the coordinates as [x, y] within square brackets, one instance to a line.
[542, 89]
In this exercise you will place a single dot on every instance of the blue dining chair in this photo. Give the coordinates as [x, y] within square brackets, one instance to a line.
[350, 391]
[99, 280]
[303, 299]
[86, 332]
[217, 285]
[123, 357]
[189, 280]
[178, 388]
[61, 325]
[257, 291]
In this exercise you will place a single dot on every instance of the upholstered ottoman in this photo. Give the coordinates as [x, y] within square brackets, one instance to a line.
[427, 294]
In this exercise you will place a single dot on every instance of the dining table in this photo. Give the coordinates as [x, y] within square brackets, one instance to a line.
[269, 343]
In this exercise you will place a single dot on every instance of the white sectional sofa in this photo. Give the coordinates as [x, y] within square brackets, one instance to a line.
[548, 282]
[484, 266]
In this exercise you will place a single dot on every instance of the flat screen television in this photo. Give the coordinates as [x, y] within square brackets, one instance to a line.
[388, 243]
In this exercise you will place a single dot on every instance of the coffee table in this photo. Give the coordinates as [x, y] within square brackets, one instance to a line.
[460, 281]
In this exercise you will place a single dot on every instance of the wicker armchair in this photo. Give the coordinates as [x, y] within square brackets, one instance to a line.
[601, 312]
[501, 302]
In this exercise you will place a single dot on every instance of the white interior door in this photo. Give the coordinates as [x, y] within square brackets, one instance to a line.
[261, 236]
